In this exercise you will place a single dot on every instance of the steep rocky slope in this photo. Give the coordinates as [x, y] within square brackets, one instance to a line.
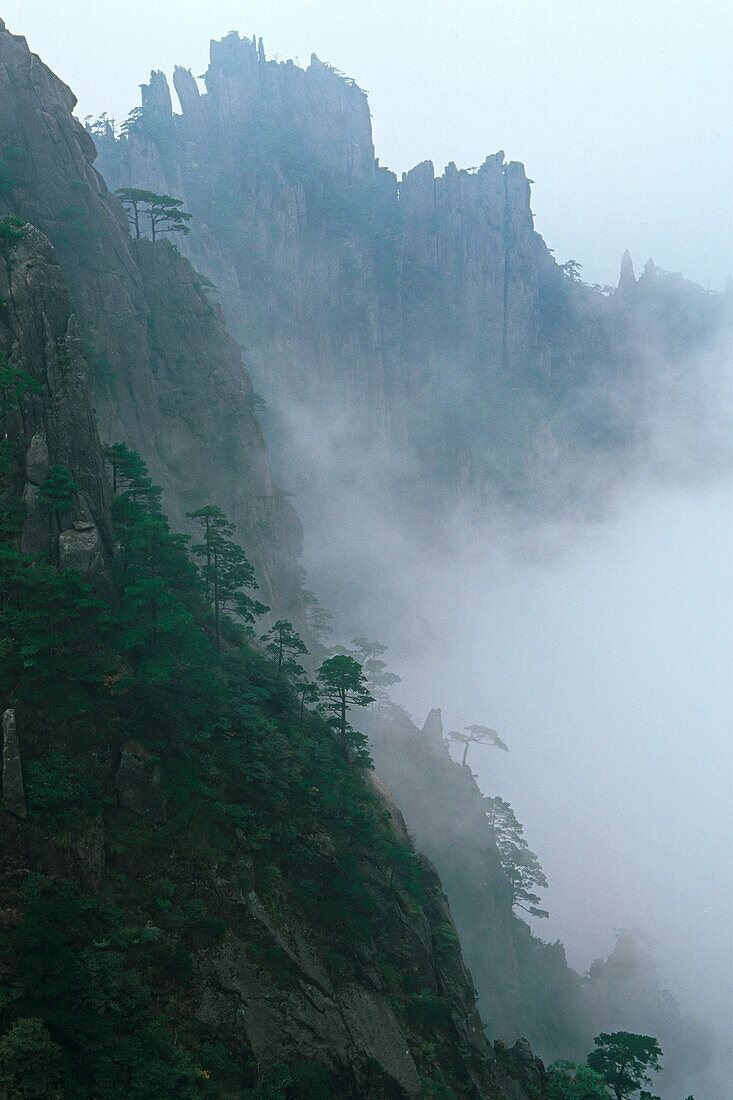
[202, 896]
[426, 306]
[166, 377]
[525, 985]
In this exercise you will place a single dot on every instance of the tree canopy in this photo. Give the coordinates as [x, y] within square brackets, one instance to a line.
[162, 213]
[283, 642]
[520, 865]
[344, 686]
[379, 679]
[477, 735]
[624, 1060]
[226, 571]
[566, 1081]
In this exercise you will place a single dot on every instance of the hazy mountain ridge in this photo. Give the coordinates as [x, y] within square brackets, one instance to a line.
[427, 305]
[525, 984]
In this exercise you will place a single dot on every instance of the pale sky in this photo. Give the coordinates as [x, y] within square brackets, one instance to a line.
[621, 111]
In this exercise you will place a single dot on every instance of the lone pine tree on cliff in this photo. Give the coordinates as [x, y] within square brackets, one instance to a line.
[624, 1059]
[519, 863]
[163, 213]
[343, 685]
[477, 735]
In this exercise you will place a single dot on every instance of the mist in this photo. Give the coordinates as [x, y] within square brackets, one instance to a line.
[595, 637]
[601, 649]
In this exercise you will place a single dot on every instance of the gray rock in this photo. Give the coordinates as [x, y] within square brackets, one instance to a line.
[13, 790]
[36, 534]
[82, 550]
[36, 460]
[139, 782]
[433, 728]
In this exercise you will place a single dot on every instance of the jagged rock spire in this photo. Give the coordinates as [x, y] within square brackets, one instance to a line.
[156, 97]
[627, 279]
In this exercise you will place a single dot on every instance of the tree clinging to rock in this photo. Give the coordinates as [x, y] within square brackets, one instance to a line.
[477, 735]
[163, 212]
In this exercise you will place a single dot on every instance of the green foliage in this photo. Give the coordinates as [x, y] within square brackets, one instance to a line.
[162, 212]
[623, 1059]
[566, 1081]
[283, 642]
[12, 230]
[344, 686]
[30, 1062]
[61, 792]
[59, 490]
[259, 794]
[14, 385]
[226, 571]
[519, 863]
[76, 984]
[51, 640]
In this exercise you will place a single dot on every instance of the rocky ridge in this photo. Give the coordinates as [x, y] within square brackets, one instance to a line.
[426, 305]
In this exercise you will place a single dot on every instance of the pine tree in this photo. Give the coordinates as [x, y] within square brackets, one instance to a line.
[519, 863]
[163, 213]
[226, 571]
[477, 735]
[344, 686]
[281, 640]
[623, 1059]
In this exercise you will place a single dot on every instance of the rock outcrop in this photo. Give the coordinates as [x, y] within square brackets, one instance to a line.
[139, 784]
[12, 772]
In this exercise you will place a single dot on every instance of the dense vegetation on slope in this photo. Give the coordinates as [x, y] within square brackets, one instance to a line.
[251, 793]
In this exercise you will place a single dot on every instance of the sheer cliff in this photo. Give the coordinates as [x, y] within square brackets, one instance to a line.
[47, 418]
[166, 377]
[427, 306]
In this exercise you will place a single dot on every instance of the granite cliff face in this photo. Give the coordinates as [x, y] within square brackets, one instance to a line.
[51, 421]
[426, 306]
[166, 377]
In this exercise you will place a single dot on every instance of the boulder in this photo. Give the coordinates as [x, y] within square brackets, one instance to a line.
[82, 550]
